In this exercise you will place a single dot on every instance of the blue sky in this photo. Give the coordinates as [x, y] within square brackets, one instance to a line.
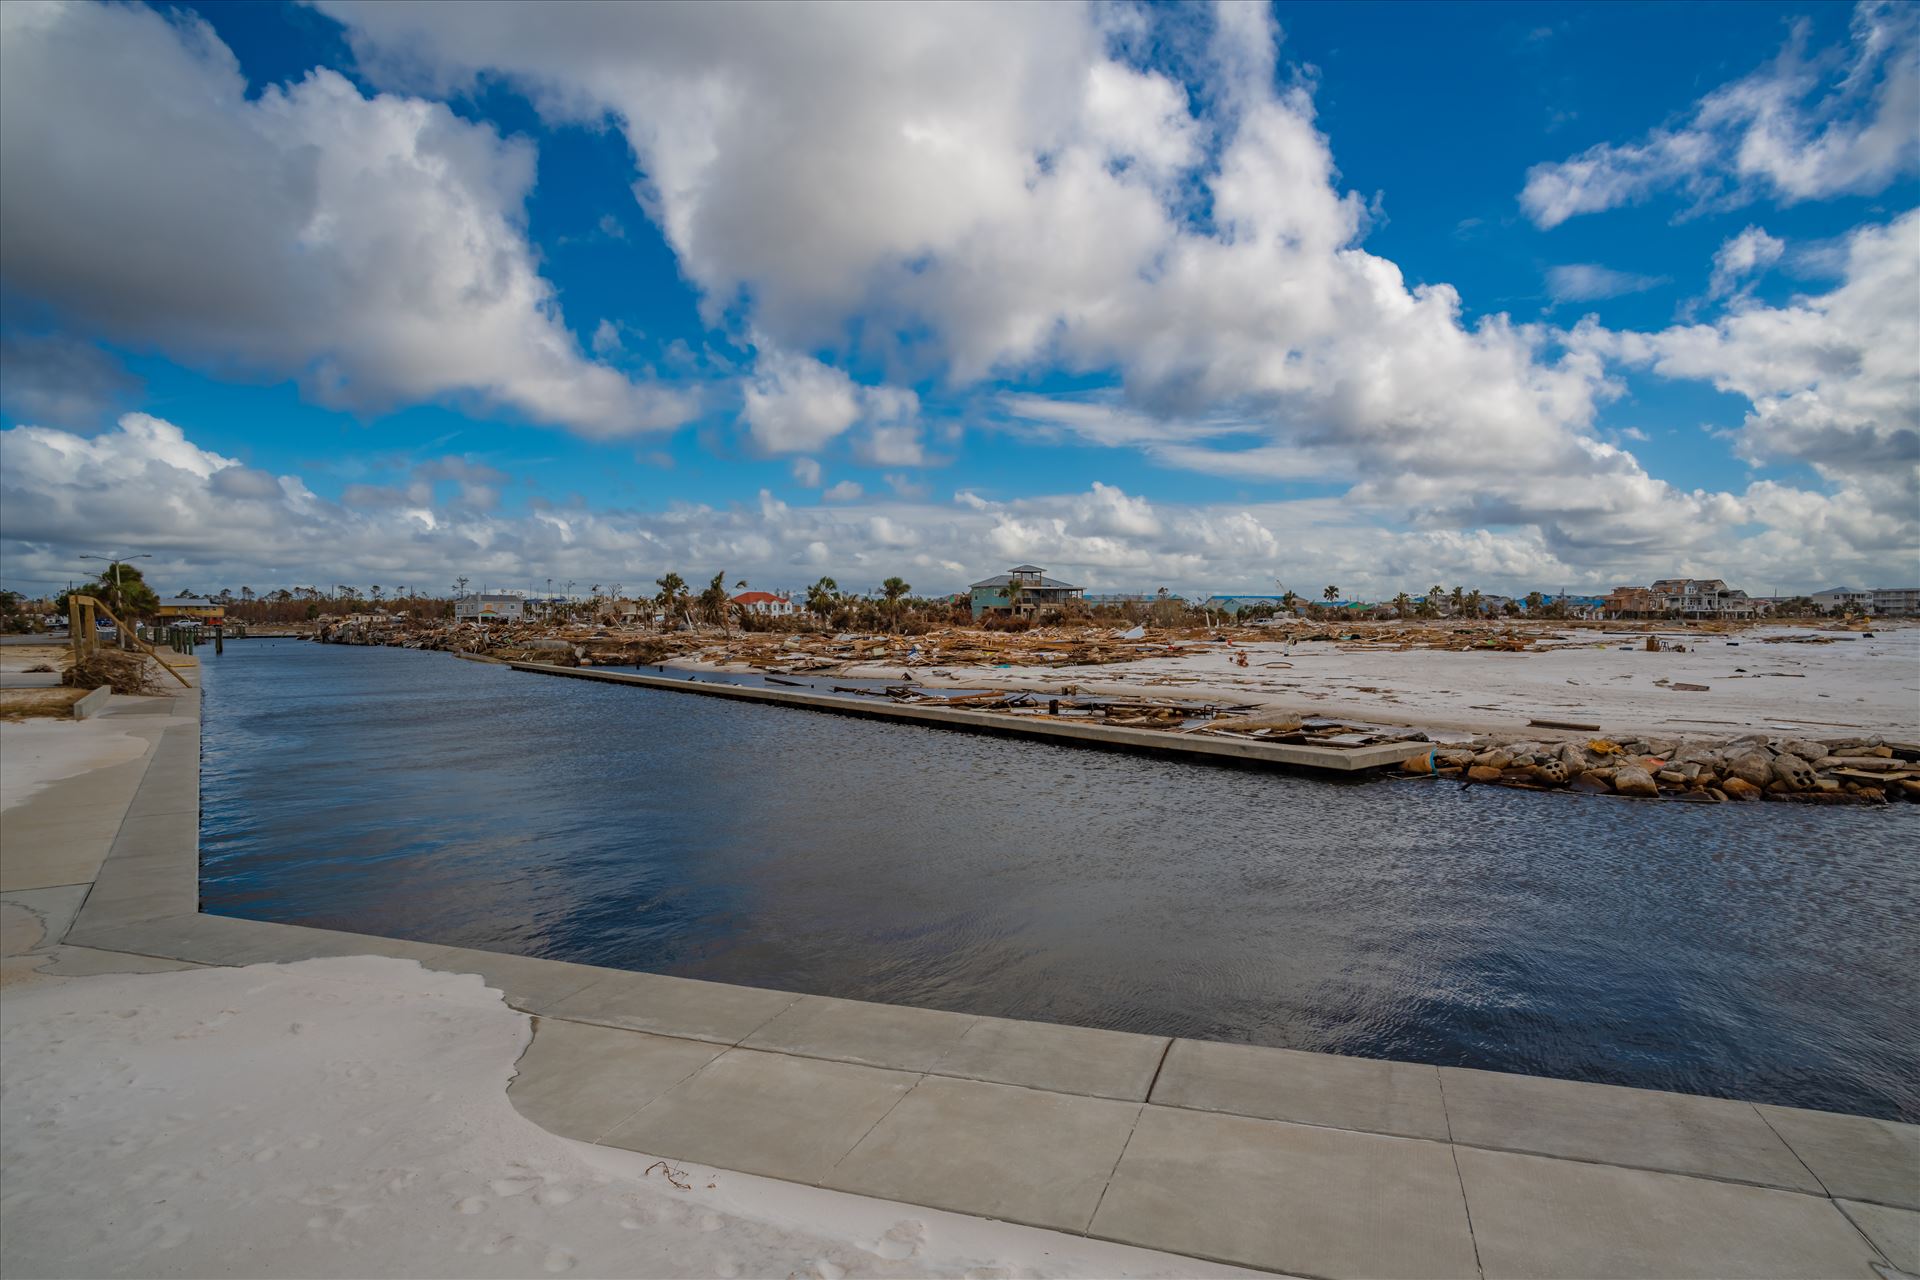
[401, 292]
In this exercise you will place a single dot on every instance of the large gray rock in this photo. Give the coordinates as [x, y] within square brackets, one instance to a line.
[1631, 780]
[1793, 772]
[1753, 767]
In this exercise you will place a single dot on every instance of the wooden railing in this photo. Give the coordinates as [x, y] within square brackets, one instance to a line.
[83, 633]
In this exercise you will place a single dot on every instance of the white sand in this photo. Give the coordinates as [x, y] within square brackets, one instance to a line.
[349, 1117]
[37, 753]
[1866, 684]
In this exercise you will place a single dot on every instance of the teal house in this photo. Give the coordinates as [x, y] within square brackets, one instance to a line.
[1024, 588]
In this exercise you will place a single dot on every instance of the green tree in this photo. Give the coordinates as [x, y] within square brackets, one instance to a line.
[1403, 604]
[1535, 601]
[12, 616]
[894, 589]
[1288, 600]
[122, 588]
[1458, 598]
[714, 600]
[673, 590]
[1330, 594]
[822, 596]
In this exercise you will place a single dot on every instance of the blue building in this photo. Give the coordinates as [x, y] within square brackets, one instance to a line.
[1023, 589]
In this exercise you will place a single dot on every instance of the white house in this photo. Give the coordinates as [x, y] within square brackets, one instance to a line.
[764, 603]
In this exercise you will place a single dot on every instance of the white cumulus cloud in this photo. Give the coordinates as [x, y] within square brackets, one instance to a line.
[375, 248]
[1804, 127]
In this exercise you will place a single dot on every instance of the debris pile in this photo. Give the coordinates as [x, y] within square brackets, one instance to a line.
[117, 669]
[1754, 767]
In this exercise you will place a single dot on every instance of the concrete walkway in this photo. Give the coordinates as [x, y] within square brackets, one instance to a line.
[1307, 1164]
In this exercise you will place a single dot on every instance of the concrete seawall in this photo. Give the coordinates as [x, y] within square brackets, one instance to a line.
[1308, 1164]
[1154, 741]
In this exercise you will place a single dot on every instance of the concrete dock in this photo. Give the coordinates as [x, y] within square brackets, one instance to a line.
[1154, 741]
[1306, 1164]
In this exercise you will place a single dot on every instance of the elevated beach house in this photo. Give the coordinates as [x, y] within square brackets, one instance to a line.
[1025, 588]
[191, 609]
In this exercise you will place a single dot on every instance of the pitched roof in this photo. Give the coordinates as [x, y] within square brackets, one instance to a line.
[1045, 583]
[755, 597]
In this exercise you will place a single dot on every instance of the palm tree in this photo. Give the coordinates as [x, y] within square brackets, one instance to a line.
[1016, 590]
[1473, 602]
[673, 589]
[1288, 600]
[893, 589]
[1330, 594]
[714, 601]
[1459, 599]
[1402, 604]
[822, 596]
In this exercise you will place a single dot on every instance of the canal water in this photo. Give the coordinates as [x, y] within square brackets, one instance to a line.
[1765, 952]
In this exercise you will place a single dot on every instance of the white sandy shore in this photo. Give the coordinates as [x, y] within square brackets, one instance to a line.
[349, 1117]
[1865, 684]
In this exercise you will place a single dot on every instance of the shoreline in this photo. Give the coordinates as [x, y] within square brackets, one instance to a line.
[1586, 694]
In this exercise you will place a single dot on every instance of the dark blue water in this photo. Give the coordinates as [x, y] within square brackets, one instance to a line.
[1763, 951]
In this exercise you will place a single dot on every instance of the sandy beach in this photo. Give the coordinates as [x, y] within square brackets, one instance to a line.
[1865, 684]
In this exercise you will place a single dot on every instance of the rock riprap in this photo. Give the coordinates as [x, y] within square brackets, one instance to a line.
[1755, 767]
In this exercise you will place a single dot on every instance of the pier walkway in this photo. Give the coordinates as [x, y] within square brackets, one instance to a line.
[1305, 1164]
[1085, 734]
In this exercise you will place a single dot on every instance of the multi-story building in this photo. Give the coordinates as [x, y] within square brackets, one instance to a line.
[1708, 598]
[1844, 600]
[1702, 598]
[1021, 589]
[1630, 602]
[1902, 602]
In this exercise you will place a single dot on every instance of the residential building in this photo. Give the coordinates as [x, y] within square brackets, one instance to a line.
[764, 603]
[1630, 602]
[1902, 602]
[1695, 598]
[1023, 589]
[1844, 600]
[198, 609]
[484, 607]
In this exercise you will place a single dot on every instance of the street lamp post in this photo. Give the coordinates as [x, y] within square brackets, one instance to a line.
[115, 562]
